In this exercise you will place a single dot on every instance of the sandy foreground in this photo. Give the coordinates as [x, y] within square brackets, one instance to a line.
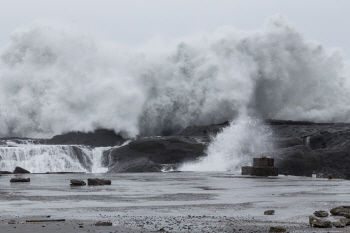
[168, 202]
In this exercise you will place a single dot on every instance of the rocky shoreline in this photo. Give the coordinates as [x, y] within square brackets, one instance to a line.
[301, 148]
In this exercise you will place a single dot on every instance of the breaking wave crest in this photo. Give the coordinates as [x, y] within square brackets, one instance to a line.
[235, 146]
[55, 79]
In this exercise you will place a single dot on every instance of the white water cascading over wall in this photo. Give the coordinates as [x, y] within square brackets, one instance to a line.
[52, 158]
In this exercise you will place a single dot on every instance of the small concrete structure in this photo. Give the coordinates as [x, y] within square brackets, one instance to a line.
[261, 167]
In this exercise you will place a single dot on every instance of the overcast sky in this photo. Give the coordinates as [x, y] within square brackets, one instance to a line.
[133, 22]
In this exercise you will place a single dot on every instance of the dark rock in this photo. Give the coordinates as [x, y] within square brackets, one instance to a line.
[12, 222]
[77, 183]
[269, 212]
[345, 221]
[346, 216]
[325, 148]
[20, 180]
[319, 223]
[100, 223]
[321, 213]
[97, 181]
[6, 172]
[302, 161]
[340, 210]
[142, 164]
[19, 170]
[287, 142]
[330, 176]
[277, 229]
[339, 224]
[204, 130]
[98, 138]
[148, 154]
[287, 122]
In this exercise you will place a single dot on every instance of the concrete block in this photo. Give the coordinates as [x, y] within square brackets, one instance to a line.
[263, 162]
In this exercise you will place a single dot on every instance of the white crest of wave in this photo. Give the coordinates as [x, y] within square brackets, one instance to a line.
[55, 79]
[236, 146]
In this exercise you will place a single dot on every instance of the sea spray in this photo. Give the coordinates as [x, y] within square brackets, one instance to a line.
[235, 146]
[56, 78]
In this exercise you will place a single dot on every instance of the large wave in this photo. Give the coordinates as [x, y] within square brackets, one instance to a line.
[235, 146]
[55, 79]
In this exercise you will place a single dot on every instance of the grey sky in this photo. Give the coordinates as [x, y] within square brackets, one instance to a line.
[133, 22]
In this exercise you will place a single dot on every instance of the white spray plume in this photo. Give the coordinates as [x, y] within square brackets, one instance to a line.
[235, 146]
[55, 79]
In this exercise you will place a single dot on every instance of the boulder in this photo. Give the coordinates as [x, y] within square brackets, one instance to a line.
[340, 210]
[97, 181]
[339, 224]
[319, 223]
[277, 229]
[100, 223]
[20, 180]
[77, 183]
[346, 221]
[321, 213]
[269, 212]
[19, 170]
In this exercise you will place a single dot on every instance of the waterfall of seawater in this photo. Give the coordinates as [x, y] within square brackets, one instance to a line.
[52, 158]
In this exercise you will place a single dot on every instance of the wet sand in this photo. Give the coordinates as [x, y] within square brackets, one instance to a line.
[173, 202]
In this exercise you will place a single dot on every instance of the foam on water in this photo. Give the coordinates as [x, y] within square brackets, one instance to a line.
[234, 147]
[55, 78]
[52, 158]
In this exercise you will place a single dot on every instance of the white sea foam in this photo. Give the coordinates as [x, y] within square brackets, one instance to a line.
[234, 147]
[52, 158]
[55, 79]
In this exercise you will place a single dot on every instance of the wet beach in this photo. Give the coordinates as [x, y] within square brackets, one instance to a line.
[169, 201]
